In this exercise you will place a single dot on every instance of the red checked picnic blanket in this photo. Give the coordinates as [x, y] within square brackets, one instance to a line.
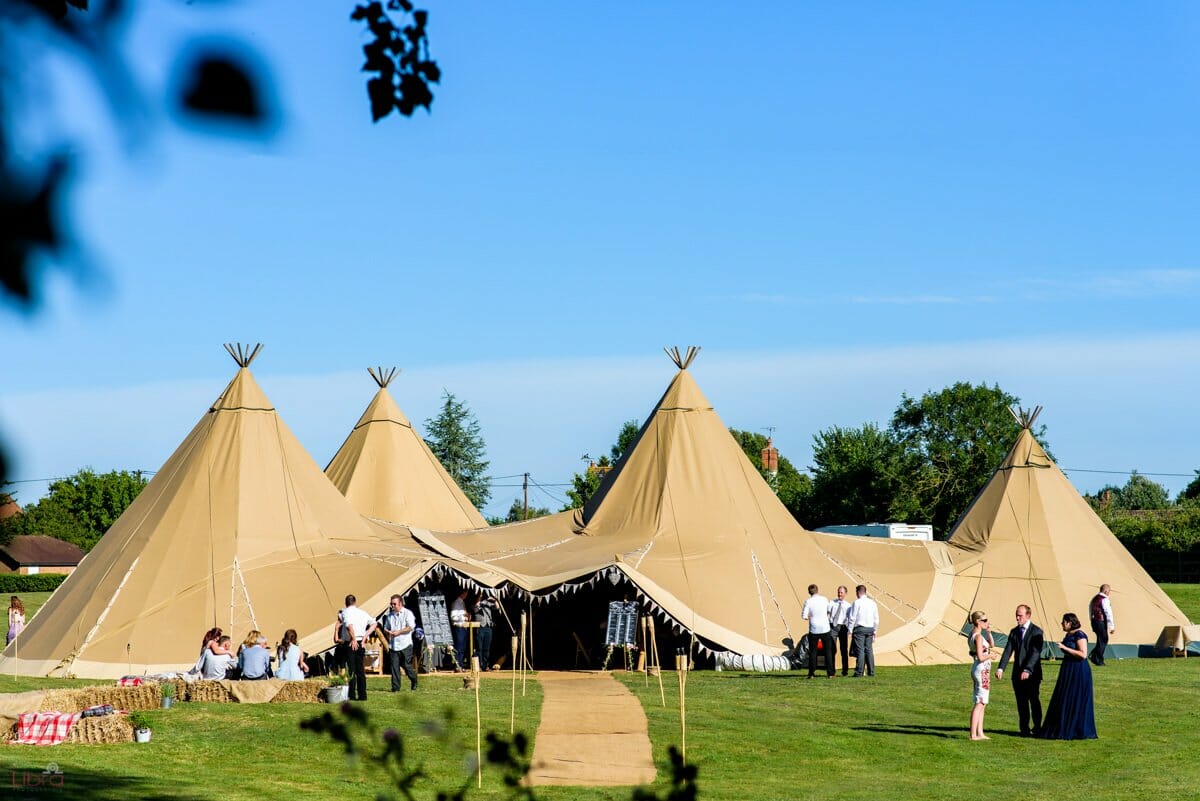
[130, 681]
[45, 728]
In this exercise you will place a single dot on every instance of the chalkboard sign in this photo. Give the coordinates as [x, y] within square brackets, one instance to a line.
[622, 623]
[435, 621]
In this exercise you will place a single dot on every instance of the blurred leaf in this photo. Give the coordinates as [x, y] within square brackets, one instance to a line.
[217, 84]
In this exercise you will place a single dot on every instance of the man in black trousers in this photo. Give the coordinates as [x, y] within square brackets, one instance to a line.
[1025, 647]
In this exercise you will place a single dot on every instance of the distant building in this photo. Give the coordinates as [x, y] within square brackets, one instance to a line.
[28, 554]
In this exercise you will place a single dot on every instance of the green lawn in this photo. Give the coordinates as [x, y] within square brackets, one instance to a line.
[1186, 597]
[753, 736]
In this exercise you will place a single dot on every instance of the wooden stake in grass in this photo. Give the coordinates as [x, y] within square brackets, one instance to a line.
[524, 646]
[681, 669]
[478, 737]
[662, 693]
[512, 715]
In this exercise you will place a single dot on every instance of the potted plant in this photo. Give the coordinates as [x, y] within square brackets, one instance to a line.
[141, 727]
[337, 691]
[168, 694]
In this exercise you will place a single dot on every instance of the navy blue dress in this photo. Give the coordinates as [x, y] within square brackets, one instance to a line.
[1071, 715]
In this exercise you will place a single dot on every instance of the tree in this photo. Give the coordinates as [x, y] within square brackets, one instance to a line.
[216, 82]
[793, 487]
[857, 478]
[454, 438]
[516, 512]
[1192, 491]
[585, 484]
[80, 508]
[952, 441]
[1138, 493]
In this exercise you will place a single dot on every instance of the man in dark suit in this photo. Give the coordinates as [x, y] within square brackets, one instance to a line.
[1025, 647]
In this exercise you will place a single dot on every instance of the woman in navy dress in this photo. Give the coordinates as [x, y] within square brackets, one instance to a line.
[1071, 715]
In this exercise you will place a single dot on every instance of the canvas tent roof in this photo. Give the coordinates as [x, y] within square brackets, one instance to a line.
[687, 518]
[386, 471]
[1029, 537]
[238, 529]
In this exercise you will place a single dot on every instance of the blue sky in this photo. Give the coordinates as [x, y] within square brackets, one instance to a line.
[839, 203]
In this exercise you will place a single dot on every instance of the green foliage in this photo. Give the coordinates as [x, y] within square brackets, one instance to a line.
[79, 508]
[139, 720]
[1138, 493]
[455, 440]
[385, 757]
[585, 484]
[1175, 531]
[857, 478]
[42, 582]
[1192, 491]
[793, 487]
[952, 441]
[517, 512]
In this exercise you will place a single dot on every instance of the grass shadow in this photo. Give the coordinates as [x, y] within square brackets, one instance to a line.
[35, 775]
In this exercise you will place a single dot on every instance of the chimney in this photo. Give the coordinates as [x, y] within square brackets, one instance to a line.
[770, 458]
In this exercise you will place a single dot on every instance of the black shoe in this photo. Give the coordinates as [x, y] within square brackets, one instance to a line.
[414, 688]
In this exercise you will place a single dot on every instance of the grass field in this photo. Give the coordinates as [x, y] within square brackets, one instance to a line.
[753, 736]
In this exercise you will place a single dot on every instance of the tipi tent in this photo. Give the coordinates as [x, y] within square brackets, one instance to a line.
[687, 519]
[238, 529]
[1029, 537]
[386, 471]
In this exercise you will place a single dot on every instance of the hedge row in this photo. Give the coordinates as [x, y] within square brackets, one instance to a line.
[40, 582]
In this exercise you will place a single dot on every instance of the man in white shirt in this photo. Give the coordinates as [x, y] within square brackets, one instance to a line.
[215, 666]
[816, 612]
[359, 626]
[398, 625]
[864, 620]
[1103, 623]
[839, 622]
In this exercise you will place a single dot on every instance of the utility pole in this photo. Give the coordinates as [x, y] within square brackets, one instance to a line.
[525, 502]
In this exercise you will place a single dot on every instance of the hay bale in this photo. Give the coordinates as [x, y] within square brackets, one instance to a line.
[147, 696]
[307, 691]
[60, 701]
[8, 733]
[101, 731]
[209, 691]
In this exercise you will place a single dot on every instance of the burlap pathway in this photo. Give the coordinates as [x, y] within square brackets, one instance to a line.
[593, 732]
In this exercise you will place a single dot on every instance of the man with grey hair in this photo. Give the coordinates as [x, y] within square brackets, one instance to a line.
[1101, 613]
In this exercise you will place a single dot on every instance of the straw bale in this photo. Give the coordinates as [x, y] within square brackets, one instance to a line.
[209, 691]
[147, 696]
[8, 733]
[300, 692]
[102, 730]
[60, 701]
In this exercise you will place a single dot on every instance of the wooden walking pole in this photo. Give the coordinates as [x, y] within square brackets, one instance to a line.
[646, 650]
[524, 647]
[478, 737]
[662, 693]
[512, 715]
[681, 669]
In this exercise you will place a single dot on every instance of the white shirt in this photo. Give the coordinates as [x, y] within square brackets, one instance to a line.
[213, 666]
[864, 612]
[458, 612]
[816, 612]
[404, 619]
[1107, 607]
[358, 621]
[839, 612]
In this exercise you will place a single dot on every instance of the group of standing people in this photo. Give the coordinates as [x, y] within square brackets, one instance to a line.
[832, 625]
[480, 614]
[1070, 714]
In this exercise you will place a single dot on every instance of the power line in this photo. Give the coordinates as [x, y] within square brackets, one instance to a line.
[1127, 472]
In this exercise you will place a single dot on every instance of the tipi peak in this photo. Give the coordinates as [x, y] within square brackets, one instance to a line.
[1025, 417]
[683, 360]
[243, 354]
[383, 376]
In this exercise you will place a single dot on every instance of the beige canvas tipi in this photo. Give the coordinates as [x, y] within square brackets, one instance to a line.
[1029, 537]
[238, 529]
[386, 471]
[689, 521]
